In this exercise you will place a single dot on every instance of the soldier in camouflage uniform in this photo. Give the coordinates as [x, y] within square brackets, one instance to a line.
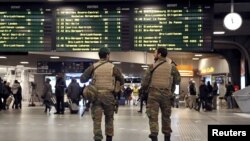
[103, 78]
[160, 85]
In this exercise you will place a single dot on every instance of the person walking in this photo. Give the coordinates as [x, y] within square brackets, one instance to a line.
[104, 74]
[160, 80]
[16, 93]
[215, 95]
[203, 94]
[135, 95]
[228, 95]
[74, 91]
[127, 94]
[143, 98]
[6, 94]
[60, 87]
[192, 91]
[47, 94]
[1, 94]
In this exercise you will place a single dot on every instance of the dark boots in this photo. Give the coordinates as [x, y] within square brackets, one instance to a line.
[167, 138]
[109, 138]
[153, 138]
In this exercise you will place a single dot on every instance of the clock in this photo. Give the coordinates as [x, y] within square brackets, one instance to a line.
[232, 21]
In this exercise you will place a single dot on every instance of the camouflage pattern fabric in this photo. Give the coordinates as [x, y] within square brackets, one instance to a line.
[105, 103]
[159, 99]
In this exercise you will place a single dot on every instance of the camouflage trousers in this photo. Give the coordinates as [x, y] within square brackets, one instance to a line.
[159, 100]
[103, 104]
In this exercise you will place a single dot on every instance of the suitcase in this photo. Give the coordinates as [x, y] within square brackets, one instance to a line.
[9, 100]
[73, 107]
[122, 101]
[209, 106]
[53, 101]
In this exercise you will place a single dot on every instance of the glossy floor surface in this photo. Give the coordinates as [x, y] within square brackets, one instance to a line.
[31, 124]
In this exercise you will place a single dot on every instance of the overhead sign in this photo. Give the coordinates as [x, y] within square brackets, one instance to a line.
[121, 26]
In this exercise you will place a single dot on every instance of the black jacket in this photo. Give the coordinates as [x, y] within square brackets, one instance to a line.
[192, 89]
[60, 86]
[203, 91]
[230, 90]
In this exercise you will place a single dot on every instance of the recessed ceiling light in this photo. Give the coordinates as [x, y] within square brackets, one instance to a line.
[117, 63]
[54, 57]
[55, 0]
[219, 32]
[198, 55]
[24, 62]
[196, 59]
[144, 66]
[3, 57]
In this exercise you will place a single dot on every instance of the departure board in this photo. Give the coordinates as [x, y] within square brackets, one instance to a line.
[65, 66]
[179, 25]
[88, 28]
[175, 26]
[22, 28]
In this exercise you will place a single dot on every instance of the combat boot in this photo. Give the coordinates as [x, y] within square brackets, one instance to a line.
[153, 138]
[109, 138]
[167, 138]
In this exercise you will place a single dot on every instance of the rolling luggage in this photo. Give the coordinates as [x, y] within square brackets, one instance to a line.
[53, 101]
[9, 100]
[122, 101]
[209, 106]
[73, 107]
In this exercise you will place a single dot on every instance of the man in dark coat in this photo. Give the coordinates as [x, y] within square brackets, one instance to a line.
[203, 93]
[60, 86]
[229, 93]
[74, 91]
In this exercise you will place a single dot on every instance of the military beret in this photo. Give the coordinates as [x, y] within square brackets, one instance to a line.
[104, 50]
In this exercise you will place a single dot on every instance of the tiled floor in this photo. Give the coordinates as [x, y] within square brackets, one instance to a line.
[31, 124]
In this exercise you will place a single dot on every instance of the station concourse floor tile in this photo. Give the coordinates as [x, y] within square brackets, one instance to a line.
[31, 124]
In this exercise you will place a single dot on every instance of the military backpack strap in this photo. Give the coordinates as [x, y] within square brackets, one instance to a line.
[98, 67]
[152, 71]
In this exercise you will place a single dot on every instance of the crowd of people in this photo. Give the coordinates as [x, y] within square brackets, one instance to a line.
[206, 96]
[156, 91]
[73, 91]
[10, 95]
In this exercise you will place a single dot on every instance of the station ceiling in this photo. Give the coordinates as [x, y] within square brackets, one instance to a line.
[221, 8]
